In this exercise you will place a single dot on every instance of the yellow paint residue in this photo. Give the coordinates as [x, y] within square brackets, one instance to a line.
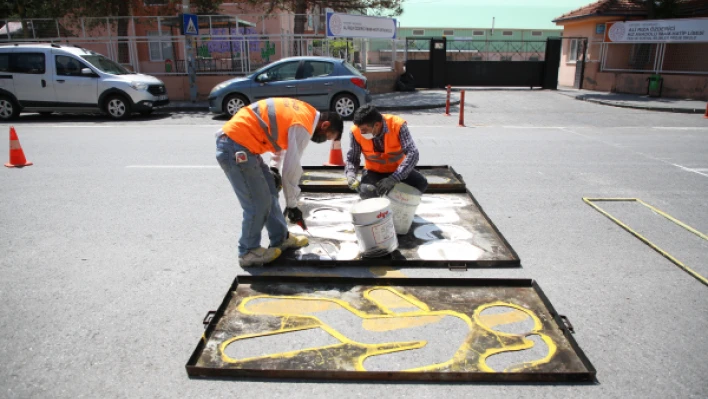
[512, 316]
[390, 300]
[280, 306]
[389, 324]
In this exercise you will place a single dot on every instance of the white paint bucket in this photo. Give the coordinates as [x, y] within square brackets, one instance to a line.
[373, 225]
[404, 202]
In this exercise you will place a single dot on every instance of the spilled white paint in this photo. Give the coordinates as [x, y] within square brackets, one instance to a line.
[449, 250]
[430, 232]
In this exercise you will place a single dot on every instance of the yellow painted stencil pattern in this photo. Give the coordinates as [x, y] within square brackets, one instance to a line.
[397, 311]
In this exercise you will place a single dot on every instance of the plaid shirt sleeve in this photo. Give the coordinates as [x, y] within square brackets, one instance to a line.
[353, 157]
[411, 151]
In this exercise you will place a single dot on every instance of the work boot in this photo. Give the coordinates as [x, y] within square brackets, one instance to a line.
[259, 256]
[294, 241]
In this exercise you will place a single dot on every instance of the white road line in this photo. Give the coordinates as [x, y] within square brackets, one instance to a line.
[636, 152]
[691, 170]
[173, 166]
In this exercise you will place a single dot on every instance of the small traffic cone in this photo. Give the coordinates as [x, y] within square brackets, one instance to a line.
[335, 154]
[706, 115]
[17, 156]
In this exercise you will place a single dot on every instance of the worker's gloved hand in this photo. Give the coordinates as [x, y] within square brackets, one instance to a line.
[278, 179]
[353, 183]
[385, 185]
[295, 216]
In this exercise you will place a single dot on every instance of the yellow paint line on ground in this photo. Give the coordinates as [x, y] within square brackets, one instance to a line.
[590, 201]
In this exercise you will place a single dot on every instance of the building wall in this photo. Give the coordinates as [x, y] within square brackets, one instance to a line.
[677, 56]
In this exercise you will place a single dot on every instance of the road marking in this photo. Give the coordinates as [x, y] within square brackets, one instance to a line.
[173, 166]
[698, 171]
[638, 153]
[696, 275]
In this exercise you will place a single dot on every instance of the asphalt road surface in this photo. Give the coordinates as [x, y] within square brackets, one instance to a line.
[121, 236]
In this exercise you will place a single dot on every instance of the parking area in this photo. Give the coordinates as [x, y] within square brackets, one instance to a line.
[122, 235]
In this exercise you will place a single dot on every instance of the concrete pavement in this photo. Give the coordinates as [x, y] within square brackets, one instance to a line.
[636, 101]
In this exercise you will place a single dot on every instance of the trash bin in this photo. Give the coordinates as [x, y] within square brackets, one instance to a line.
[654, 85]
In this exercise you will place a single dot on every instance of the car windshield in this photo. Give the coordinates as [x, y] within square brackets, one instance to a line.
[351, 69]
[105, 65]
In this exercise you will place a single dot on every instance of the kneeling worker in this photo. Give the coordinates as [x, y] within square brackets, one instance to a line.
[282, 126]
[390, 155]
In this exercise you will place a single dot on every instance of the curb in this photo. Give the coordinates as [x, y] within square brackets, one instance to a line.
[382, 108]
[644, 108]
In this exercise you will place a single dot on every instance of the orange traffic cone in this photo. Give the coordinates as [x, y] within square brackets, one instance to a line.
[706, 115]
[17, 156]
[335, 154]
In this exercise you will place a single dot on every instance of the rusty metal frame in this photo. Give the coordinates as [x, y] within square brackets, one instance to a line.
[195, 371]
[432, 187]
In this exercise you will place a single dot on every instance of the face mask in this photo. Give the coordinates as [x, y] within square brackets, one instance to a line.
[319, 138]
[368, 136]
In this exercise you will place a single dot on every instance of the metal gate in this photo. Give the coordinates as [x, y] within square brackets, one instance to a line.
[468, 62]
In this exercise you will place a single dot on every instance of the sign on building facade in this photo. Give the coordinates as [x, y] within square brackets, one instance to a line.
[658, 31]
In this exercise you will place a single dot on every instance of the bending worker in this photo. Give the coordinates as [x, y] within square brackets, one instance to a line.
[390, 155]
[283, 127]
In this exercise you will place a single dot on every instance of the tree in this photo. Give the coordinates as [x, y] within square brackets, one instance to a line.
[300, 8]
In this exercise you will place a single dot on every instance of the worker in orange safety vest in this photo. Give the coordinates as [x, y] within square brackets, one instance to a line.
[284, 127]
[390, 155]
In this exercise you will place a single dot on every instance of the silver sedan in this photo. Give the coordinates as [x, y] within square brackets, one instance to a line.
[325, 83]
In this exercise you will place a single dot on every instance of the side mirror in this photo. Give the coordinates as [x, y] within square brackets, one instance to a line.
[86, 71]
[263, 78]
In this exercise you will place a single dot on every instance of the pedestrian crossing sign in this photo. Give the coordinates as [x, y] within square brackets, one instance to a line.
[189, 25]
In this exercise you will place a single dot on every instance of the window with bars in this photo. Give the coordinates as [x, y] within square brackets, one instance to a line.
[160, 46]
[418, 32]
[448, 32]
[507, 33]
[572, 50]
[536, 33]
[478, 33]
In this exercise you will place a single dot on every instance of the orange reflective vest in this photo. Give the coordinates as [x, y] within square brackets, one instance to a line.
[388, 161]
[263, 126]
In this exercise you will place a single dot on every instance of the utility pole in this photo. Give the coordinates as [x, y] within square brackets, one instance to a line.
[189, 50]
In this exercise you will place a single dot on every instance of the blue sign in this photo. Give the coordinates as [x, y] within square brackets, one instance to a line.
[190, 26]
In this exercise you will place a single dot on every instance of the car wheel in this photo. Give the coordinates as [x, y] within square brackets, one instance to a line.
[117, 107]
[8, 109]
[345, 105]
[233, 103]
[146, 112]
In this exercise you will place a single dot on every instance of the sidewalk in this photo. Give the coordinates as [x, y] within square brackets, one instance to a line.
[636, 101]
[397, 101]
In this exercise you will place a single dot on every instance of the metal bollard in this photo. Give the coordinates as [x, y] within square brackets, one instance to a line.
[462, 109]
[447, 103]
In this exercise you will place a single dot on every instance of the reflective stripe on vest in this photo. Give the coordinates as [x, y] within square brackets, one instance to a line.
[385, 158]
[272, 133]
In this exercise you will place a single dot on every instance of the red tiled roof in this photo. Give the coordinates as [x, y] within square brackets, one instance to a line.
[633, 8]
[607, 7]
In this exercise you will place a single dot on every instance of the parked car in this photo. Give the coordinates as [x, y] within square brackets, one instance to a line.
[48, 78]
[326, 83]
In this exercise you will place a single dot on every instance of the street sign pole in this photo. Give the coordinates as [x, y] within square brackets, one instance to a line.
[189, 49]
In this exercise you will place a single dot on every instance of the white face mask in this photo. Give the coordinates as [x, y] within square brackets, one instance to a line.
[367, 136]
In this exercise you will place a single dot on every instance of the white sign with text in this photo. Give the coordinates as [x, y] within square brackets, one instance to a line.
[658, 31]
[346, 25]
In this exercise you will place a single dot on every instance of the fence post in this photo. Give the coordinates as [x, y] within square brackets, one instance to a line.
[462, 109]
[447, 103]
